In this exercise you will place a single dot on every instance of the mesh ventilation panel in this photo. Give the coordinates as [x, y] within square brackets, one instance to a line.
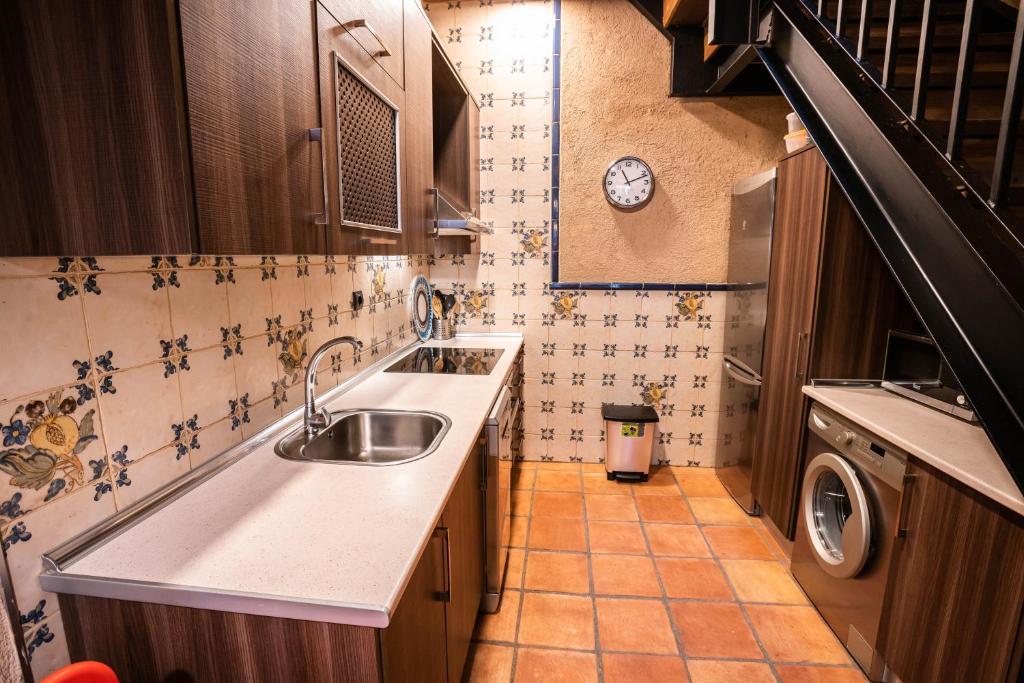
[367, 153]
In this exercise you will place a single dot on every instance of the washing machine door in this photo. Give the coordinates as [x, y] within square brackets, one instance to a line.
[837, 515]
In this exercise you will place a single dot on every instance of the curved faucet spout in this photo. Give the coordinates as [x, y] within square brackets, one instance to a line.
[315, 420]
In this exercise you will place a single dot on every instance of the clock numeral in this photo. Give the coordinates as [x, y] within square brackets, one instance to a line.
[609, 182]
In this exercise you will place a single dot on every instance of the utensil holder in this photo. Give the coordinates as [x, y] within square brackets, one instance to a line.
[443, 328]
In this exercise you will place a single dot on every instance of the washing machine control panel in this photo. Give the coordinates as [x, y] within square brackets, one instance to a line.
[887, 462]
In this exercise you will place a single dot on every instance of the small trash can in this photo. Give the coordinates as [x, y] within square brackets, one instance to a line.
[629, 441]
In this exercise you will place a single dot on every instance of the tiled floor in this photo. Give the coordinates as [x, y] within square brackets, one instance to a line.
[663, 581]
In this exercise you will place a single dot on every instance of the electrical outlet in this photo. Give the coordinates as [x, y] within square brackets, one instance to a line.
[357, 299]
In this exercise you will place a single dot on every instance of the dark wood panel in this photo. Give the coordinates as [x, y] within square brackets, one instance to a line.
[93, 141]
[332, 38]
[413, 647]
[453, 134]
[473, 126]
[251, 74]
[464, 518]
[799, 215]
[417, 134]
[858, 298]
[145, 643]
[953, 605]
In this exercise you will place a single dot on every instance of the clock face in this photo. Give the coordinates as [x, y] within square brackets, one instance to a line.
[628, 183]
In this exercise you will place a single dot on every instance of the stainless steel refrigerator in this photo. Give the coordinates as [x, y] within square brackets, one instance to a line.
[750, 236]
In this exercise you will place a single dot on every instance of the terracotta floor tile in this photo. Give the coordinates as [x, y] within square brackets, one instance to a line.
[796, 634]
[693, 578]
[616, 537]
[714, 630]
[818, 674]
[700, 482]
[517, 532]
[601, 507]
[659, 484]
[500, 626]
[598, 483]
[680, 540]
[489, 664]
[526, 464]
[564, 505]
[763, 581]
[664, 509]
[544, 666]
[552, 533]
[553, 480]
[557, 621]
[514, 568]
[591, 467]
[625, 575]
[710, 671]
[737, 543]
[635, 626]
[558, 466]
[643, 669]
[718, 511]
[522, 502]
[559, 572]
[523, 479]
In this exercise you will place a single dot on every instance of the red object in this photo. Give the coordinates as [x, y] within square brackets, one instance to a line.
[83, 672]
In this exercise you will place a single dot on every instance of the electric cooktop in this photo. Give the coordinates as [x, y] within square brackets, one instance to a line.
[447, 360]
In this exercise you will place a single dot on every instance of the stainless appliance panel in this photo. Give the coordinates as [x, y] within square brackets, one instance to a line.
[751, 218]
[502, 433]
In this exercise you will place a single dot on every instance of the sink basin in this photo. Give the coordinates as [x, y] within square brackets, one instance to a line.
[369, 437]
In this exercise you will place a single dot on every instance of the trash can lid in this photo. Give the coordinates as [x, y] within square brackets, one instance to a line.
[618, 413]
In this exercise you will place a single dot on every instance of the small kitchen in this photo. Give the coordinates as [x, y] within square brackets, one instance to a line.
[485, 340]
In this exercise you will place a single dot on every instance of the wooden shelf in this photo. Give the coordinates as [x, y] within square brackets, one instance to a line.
[685, 12]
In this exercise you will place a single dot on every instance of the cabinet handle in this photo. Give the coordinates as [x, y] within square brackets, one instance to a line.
[445, 595]
[800, 338]
[317, 135]
[901, 526]
[362, 23]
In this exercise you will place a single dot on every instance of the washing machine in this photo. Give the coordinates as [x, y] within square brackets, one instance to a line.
[846, 529]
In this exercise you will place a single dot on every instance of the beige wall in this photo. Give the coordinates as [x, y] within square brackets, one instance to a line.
[615, 68]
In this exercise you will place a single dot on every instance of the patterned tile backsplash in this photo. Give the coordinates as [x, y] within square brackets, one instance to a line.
[126, 372]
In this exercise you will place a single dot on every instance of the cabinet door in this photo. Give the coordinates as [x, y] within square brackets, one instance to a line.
[333, 39]
[796, 239]
[94, 155]
[375, 25]
[417, 135]
[464, 519]
[250, 70]
[954, 598]
[413, 646]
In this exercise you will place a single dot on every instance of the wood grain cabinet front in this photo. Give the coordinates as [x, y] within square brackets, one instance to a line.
[953, 605]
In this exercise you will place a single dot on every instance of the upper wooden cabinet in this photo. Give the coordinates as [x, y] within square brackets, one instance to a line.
[954, 601]
[205, 126]
[250, 71]
[93, 137]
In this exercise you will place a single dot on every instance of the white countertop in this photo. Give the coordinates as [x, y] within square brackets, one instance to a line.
[319, 541]
[960, 449]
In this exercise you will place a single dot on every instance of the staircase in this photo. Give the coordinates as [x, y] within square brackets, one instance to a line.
[916, 106]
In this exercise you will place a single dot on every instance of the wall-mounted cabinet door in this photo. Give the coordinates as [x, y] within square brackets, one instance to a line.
[417, 134]
[250, 70]
[339, 49]
[377, 27]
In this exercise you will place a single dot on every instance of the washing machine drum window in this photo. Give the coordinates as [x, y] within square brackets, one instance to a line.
[837, 515]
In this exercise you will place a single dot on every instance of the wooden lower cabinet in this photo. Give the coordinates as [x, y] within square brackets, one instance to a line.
[954, 603]
[427, 640]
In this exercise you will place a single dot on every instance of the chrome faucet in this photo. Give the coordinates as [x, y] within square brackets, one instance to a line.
[315, 420]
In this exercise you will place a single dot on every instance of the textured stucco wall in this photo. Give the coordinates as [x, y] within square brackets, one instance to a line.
[615, 67]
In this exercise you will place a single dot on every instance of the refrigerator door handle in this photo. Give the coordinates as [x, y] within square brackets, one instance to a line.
[740, 371]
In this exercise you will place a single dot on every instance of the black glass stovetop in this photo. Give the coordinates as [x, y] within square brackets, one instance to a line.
[446, 360]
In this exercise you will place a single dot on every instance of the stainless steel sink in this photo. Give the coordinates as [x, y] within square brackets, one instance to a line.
[369, 437]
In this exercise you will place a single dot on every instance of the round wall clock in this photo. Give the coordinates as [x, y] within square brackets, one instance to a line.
[628, 183]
